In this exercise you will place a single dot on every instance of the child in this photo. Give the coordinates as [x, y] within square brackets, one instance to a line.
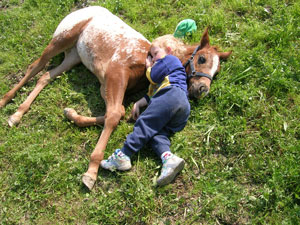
[167, 112]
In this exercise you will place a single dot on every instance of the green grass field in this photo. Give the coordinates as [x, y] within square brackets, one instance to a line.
[241, 144]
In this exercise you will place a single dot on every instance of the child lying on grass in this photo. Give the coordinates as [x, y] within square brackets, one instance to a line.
[167, 112]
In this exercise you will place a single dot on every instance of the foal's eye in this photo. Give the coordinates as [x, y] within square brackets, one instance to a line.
[201, 59]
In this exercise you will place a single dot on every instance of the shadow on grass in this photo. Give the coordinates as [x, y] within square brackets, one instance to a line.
[86, 84]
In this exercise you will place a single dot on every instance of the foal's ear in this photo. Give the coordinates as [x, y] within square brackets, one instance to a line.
[205, 39]
[224, 55]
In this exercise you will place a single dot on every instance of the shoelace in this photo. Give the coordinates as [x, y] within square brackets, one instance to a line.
[112, 157]
[165, 163]
[165, 160]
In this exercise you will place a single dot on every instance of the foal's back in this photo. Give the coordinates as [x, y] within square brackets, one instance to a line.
[104, 39]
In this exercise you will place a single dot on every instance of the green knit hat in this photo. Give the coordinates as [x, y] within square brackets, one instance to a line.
[185, 27]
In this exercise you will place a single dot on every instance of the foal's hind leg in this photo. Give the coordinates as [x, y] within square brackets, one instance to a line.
[50, 51]
[71, 59]
[84, 121]
[58, 44]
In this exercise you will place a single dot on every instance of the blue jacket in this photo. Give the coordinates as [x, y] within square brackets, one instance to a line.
[165, 72]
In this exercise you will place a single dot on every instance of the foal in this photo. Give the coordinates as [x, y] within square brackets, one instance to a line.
[116, 54]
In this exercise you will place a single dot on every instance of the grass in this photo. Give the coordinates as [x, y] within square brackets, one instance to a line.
[241, 143]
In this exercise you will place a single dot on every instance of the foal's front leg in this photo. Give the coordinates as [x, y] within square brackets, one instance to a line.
[115, 88]
[84, 121]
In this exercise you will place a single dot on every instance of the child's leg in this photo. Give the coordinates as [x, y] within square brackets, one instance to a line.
[156, 116]
[170, 104]
[160, 143]
[150, 122]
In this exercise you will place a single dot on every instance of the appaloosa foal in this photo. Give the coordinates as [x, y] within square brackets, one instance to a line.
[116, 54]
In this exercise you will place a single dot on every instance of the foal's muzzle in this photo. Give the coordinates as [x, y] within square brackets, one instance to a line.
[198, 90]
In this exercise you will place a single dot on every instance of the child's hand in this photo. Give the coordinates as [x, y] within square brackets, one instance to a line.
[135, 112]
[149, 61]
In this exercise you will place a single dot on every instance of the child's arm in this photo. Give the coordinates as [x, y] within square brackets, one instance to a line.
[149, 61]
[158, 71]
[135, 112]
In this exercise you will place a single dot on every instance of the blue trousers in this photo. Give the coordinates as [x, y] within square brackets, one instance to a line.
[167, 113]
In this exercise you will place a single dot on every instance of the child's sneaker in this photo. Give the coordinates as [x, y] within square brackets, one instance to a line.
[117, 161]
[171, 167]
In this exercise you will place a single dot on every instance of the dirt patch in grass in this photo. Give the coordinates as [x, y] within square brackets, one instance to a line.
[5, 5]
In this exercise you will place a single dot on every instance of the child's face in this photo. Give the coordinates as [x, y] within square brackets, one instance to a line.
[157, 53]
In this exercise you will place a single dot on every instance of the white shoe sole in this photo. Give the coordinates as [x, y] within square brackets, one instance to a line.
[122, 168]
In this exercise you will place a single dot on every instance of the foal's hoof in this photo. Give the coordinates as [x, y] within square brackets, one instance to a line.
[88, 181]
[13, 121]
[70, 113]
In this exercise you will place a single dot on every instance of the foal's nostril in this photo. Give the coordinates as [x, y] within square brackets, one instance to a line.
[199, 90]
[202, 90]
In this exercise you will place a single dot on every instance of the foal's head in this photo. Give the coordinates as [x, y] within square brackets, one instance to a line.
[202, 64]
